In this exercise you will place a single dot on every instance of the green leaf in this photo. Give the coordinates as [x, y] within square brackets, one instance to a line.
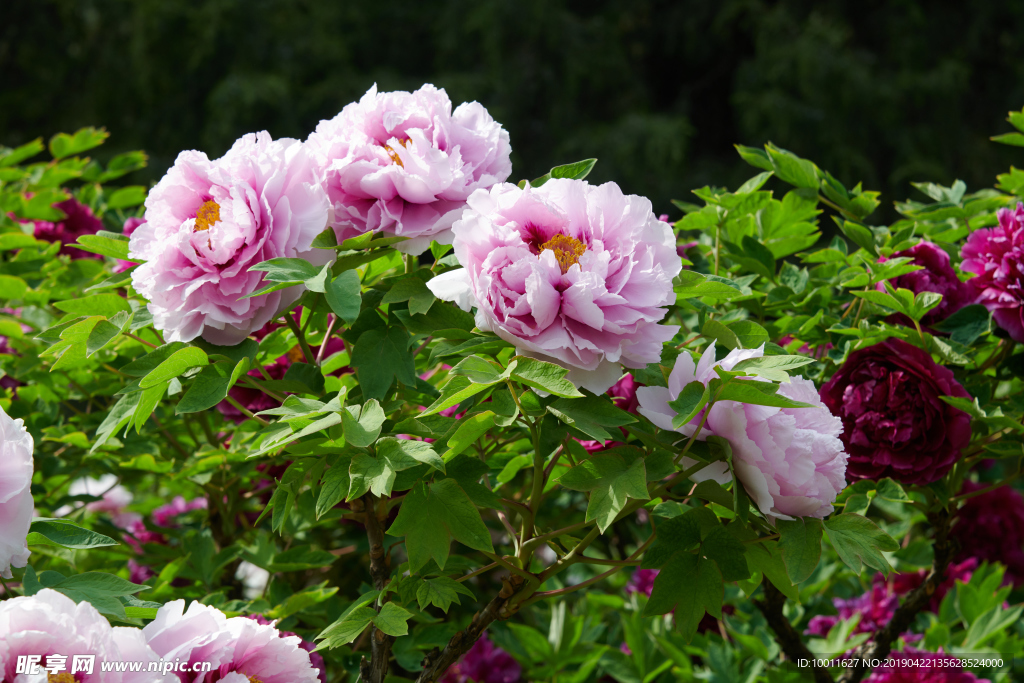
[692, 285]
[334, 487]
[441, 592]
[766, 557]
[405, 453]
[377, 474]
[545, 376]
[12, 288]
[750, 334]
[455, 391]
[727, 552]
[66, 534]
[106, 305]
[967, 324]
[478, 370]
[393, 620]
[307, 374]
[348, 627]
[859, 540]
[791, 168]
[715, 331]
[760, 253]
[755, 157]
[590, 415]
[104, 243]
[362, 423]
[10, 157]
[575, 171]
[756, 393]
[343, 295]
[301, 559]
[175, 365]
[209, 388]
[413, 290]
[690, 401]
[100, 336]
[123, 197]
[286, 270]
[773, 368]
[380, 355]
[470, 429]
[123, 164]
[611, 481]
[430, 516]
[689, 585]
[800, 543]
[148, 400]
[1015, 139]
[64, 145]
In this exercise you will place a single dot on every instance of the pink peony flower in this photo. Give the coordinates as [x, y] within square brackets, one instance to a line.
[165, 514]
[314, 657]
[114, 499]
[790, 460]
[16, 504]
[404, 163]
[996, 257]
[919, 666]
[990, 527]
[937, 276]
[50, 623]
[208, 222]
[895, 424]
[569, 272]
[485, 662]
[79, 220]
[239, 649]
[642, 581]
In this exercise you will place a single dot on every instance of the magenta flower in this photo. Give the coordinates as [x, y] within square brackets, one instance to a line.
[50, 623]
[996, 257]
[79, 220]
[937, 276]
[16, 504]
[959, 571]
[208, 222]
[790, 460]
[894, 423]
[165, 514]
[485, 662]
[239, 649]
[919, 666]
[569, 272]
[990, 526]
[642, 581]
[875, 608]
[404, 163]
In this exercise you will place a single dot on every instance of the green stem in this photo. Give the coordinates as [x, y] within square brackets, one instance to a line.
[301, 337]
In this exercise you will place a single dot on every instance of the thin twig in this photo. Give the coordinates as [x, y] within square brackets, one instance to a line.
[789, 637]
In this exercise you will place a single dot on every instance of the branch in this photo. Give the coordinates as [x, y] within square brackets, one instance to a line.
[881, 640]
[376, 670]
[436, 663]
[789, 638]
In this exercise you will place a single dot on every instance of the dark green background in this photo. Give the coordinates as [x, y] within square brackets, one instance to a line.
[884, 92]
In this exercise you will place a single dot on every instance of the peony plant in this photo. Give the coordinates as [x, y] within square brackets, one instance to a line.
[358, 408]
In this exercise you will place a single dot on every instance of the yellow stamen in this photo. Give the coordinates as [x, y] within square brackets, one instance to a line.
[207, 215]
[253, 679]
[404, 142]
[62, 677]
[567, 250]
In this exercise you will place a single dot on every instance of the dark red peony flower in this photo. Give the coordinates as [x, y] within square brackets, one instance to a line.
[919, 666]
[938, 276]
[485, 662]
[79, 221]
[958, 571]
[996, 257]
[894, 423]
[990, 527]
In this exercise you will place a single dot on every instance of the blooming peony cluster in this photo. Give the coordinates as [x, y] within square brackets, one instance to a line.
[569, 272]
[996, 257]
[404, 163]
[485, 662]
[895, 423]
[990, 526]
[78, 220]
[16, 504]
[790, 460]
[240, 650]
[50, 623]
[208, 222]
[936, 275]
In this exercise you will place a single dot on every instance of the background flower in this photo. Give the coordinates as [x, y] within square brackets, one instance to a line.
[79, 220]
[485, 662]
[996, 257]
[790, 460]
[990, 526]
[919, 666]
[16, 504]
[894, 422]
[937, 275]
[208, 222]
[569, 272]
[404, 163]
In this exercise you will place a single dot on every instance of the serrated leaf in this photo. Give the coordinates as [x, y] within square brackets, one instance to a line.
[440, 592]
[858, 540]
[545, 376]
[611, 481]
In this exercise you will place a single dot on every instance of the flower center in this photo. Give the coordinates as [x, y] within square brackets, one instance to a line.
[62, 677]
[207, 215]
[567, 250]
[404, 142]
[253, 679]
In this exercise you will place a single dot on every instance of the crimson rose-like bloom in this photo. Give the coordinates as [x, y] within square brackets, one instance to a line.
[996, 256]
[937, 275]
[79, 220]
[990, 527]
[894, 423]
